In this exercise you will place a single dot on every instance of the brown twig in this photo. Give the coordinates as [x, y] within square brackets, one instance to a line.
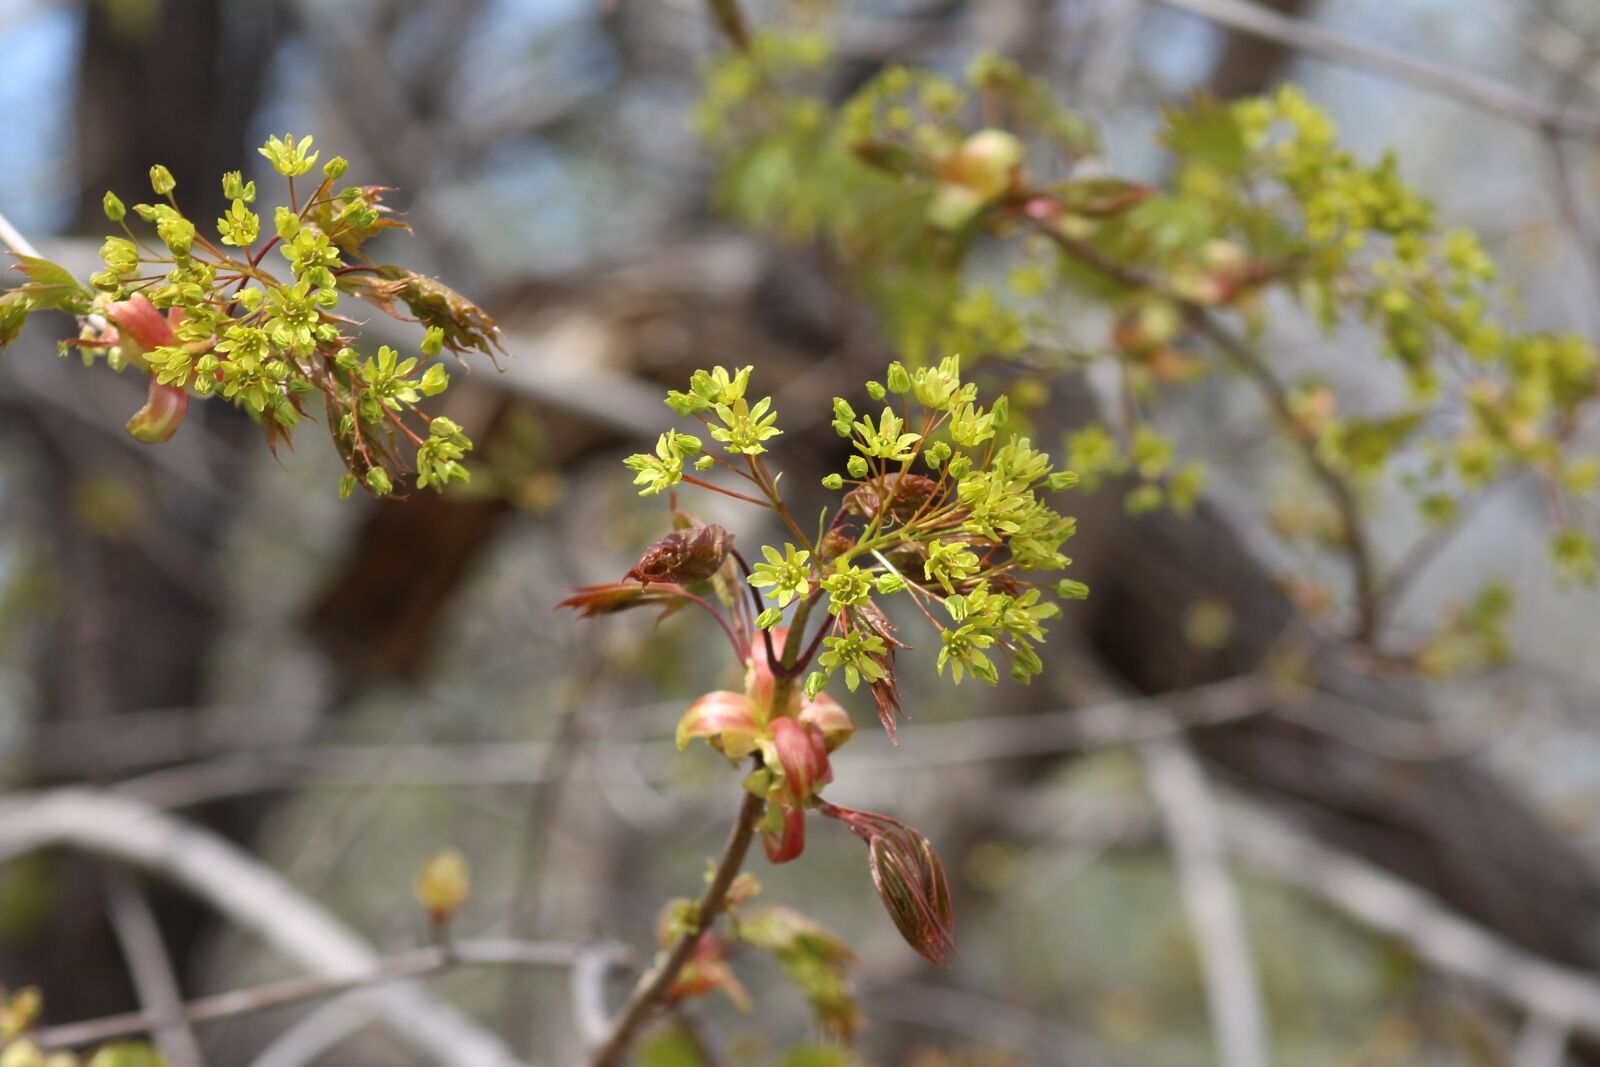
[1242, 355]
[651, 992]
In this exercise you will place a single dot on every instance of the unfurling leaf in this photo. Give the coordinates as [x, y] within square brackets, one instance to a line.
[164, 411]
[14, 308]
[783, 833]
[800, 751]
[684, 557]
[909, 878]
[139, 323]
[707, 971]
[814, 959]
[726, 721]
[1100, 196]
[52, 286]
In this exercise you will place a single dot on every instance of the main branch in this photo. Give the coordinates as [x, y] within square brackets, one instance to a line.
[651, 992]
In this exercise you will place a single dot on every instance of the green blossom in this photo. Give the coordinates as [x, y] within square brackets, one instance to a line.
[663, 470]
[854, 653]
[846, 586]
[240, 226]
[289, 157]
[744, 427]
[439, 456]
[963, 651]
[786, 573]
[885, 440]
[948, 563]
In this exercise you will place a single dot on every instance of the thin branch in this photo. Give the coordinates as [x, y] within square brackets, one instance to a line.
[503, 764]
[1435, 933]
[1363, 564]
[652, 989]
[1233, 988]
[12, 238]
[415, 964]
[1541, 1043]
[151, 968]
[1308, 37]
[249, 893]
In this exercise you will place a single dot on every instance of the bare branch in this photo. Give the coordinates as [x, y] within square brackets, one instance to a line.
[652, 989]
[12, 238]
[1233, 990]
[1484, 93]
[135, 926]
[253, 895]
[1542, 1042]
[1434, 932]
[414, 964]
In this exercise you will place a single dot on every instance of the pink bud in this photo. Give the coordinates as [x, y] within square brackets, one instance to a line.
[163, 412]
[909, 878]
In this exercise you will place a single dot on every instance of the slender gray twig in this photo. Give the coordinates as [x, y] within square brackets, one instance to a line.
[151, 968]
[251, 894]
[1308, 37]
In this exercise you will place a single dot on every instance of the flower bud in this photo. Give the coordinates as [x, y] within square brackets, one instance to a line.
[286, 222]
[909, 878]
[442, 882]
[379, 482]
[161, 180]
[113, 207]
[334, 169]
[898, 379]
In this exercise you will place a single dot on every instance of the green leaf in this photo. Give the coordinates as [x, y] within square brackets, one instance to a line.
[670, 1049]
[818, 1056]
[1207, 131]
[1100, 196]
[52, 286]
[14, 308]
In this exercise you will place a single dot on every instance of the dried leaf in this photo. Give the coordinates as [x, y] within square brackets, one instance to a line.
[612, 597]
[466, 326]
